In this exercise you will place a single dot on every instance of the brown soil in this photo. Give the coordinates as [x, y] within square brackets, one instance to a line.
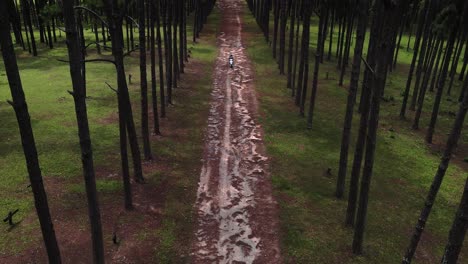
[237, 216]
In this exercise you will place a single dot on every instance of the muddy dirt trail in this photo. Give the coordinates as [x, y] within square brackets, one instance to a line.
[237, 217]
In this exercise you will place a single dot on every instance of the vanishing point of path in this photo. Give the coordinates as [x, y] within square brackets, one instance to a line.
[237, 217]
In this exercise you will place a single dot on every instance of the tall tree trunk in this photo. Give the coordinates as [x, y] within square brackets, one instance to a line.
[124, 155]
[75, 57]
[115, 29]
[27, 137]
[459, 227]
[181, 36]
[305, 48]
[296, 55]
[398, 45]
[291, 44]
[388, 16]
[168, 50]
[154, 94]
[364, 106]
[318, 52]
[465, 63]
[143, 81]
[330, 43]
[347, 47]
[160, 60]
[363, 15]
[175, 60]
[96, 37]
[275, 25]
[284, 19]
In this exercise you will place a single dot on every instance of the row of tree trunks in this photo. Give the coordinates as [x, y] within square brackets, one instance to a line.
[435, 58]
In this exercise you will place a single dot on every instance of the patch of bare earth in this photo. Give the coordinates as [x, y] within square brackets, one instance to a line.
[237, 216]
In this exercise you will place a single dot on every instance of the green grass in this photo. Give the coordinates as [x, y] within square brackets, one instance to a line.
[46, 82]
[312, 219]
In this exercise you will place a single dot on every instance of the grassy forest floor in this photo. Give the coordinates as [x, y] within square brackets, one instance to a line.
[312, 219]
[159, 227]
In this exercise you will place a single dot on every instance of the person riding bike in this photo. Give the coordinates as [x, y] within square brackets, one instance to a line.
[231, 61]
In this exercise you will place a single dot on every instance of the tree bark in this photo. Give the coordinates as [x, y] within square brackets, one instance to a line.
[363, 15]
[27, 138]
[388, 16]
[75, 57]
[143, 81]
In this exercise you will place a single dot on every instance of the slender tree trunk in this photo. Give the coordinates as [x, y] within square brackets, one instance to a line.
[96, 36]
[402, 28]
[168, 47]
[459, 227]
[358, 49]
[124, 156]
[330, 43]
[160, 60]
[347, 47]
[296, 55]
[387, 19]
[306, 37]
[318, 51]
[143, 81]
[275, 25]
[175, 61]
[291, 44]
[154, 94]
[27, 138]
[362, 132]
[304, 49]
[115, 28]
[75, 57]
[283, 22]
[342, 42]
[465, 63]
[181, 36]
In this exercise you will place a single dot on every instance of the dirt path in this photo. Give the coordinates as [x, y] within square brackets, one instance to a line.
[237, 217]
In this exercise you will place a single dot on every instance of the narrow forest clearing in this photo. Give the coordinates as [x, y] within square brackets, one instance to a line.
[237, 216]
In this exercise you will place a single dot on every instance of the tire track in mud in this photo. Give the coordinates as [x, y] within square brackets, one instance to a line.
[237, 217]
